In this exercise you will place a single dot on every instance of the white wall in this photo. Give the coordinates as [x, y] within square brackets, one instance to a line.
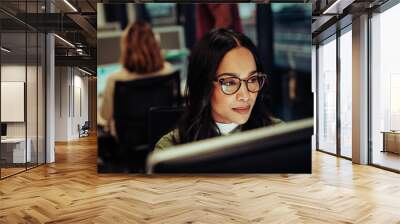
[61, 103]
[71, 93]
[80, 96]
[12, 73]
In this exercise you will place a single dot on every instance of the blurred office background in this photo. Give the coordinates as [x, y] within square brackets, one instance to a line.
[281, 32]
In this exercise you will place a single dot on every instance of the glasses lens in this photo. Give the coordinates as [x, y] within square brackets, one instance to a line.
[255, 83]
[229, 85]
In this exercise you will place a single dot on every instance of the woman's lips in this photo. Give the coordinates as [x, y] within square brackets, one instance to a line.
[242, 110]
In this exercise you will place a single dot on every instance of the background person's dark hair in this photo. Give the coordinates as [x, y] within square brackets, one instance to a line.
[197, 122]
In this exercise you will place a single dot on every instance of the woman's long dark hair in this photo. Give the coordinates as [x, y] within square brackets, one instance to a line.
[197, 123]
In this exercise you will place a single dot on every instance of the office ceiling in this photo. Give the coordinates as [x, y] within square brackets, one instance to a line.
[79, 27]
[75, 22]
[328, 16]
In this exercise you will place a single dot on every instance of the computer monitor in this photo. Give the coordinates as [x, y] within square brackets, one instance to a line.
[162, 13]
[171, 37]
[284, 148]
[3, 129]
[108, 50]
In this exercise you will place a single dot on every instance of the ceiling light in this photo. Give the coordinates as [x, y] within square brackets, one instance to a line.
[337, 7]
[64, 40]
[79, 51]
[5, 50]
[328, 10]
[84, 71]
[70, 5]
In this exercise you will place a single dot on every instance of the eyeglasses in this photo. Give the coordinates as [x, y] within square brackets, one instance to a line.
[230, 83]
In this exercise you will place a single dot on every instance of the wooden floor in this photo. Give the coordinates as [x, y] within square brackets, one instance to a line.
[5, 172]
[70, 191]
[10, 171]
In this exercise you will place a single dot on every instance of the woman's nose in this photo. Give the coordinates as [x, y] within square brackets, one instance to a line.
[243, 93]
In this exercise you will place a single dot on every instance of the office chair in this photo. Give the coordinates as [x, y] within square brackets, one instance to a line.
[161, 121]
[84, 130]
[132, 100]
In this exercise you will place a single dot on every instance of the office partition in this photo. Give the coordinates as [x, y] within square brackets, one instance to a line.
[22, 77]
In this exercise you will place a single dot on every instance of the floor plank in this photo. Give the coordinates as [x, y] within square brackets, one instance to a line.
[71, 191]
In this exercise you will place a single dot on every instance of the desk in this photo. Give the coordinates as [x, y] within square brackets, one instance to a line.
[15, 148]
[391, 141]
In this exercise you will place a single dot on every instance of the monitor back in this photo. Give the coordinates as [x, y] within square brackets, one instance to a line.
[287, 150]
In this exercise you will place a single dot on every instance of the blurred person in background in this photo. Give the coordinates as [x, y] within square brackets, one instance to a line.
[141, 58]
[225, 90]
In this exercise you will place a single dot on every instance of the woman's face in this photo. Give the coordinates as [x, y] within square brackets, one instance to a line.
[235, 108]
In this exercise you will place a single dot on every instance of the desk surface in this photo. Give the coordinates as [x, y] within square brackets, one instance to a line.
[391, 132]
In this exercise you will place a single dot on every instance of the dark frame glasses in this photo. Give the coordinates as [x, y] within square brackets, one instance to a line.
[231, 83]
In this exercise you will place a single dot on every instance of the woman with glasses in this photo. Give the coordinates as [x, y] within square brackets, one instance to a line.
[225, 91]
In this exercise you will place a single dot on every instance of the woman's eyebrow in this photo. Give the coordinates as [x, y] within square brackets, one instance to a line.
[235, 74]
[251, 73]
[228, 74]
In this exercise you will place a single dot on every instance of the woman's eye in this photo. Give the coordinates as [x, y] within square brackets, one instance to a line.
[253, 80]
[229, 82]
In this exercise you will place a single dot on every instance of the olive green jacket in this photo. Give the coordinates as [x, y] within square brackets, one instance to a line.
[168, 140]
